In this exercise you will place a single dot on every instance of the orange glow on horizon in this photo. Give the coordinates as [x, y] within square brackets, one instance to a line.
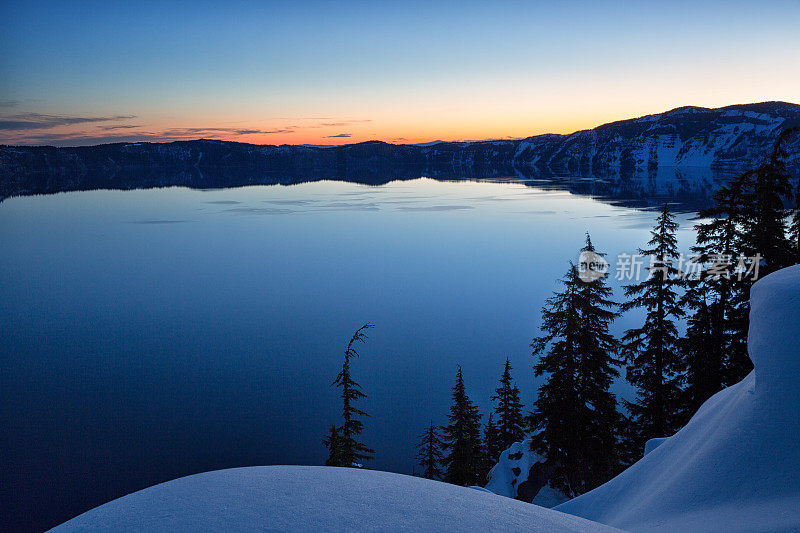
[389, 126]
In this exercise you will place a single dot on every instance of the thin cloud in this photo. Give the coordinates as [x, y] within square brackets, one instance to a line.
[338, 124]
[38, 121]
[184, 132]
[302, 118]
[343, 135]
[82, 138]
[9, 103]
[343, 123]
[121, 127]
[115, 133]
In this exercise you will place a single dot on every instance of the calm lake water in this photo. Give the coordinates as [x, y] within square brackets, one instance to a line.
[152, 334]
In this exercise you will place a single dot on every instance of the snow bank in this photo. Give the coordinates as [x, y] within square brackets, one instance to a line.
[307, 498]
[513, 476]
[736, 464]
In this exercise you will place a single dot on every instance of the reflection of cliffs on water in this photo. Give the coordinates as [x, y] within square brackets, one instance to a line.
[679, 155]
[690, 189]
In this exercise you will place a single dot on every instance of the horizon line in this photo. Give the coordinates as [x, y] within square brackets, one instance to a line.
[167, 140]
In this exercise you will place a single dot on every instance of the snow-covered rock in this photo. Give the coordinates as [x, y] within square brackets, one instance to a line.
[308, 498]
[736, 465]
[522, 474]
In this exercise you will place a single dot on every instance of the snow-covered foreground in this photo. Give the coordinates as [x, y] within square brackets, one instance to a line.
[313, 498]
[736, 464]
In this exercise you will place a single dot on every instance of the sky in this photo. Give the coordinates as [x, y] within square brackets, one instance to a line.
[77, 73]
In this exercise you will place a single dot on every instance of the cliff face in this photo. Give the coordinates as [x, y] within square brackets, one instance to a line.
[726, 138]
[685, 140]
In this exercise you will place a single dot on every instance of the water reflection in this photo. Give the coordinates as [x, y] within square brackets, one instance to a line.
[156, 333]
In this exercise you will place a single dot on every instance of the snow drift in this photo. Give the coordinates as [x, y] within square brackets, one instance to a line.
[308, 498]
[736, 464]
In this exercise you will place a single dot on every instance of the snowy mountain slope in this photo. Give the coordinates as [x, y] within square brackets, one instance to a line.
[304, 498]
[736, 465]
[522, 474]
[732, 137]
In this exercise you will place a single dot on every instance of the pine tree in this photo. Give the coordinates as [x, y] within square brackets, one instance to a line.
[575, 417]
[333, 443]
[351, 452]
[794, 228]
[651, 350]
[462, 437]
[702, 360]
[747, 232]
[715, 291]
[554, 420]
[492, 443]
[762, 244]
[764, 228]
[430, 454]
[597, 370]
[510, 420]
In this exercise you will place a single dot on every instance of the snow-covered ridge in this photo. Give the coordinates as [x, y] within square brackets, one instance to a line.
[724, 140]
[727, 137]
[736, 465]
[307, 498]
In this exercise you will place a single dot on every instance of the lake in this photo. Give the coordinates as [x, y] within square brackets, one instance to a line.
[152, 334]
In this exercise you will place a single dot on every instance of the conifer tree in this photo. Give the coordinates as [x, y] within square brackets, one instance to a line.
[748, 225]
[651, 350]
[554, 420]
[492, 443]
[510, 420]
[794, 227]
[764, 228]
[332, 442]
[717, 292]
[350, 451]
[599, 351]
[462, 438]
[702, 360]
[575, 418]
[762, 244]
[430, 454]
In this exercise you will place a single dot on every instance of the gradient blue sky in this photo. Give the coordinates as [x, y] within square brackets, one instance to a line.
[336, 72]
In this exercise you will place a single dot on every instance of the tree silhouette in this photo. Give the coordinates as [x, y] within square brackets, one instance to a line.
[462, 436]
[575, 418]
[794, 228]
[651, 350]
[748, 230]
[510, 425]
[333, 443]
[430, 454]
[703, 363]
[492, 446]
[349, 451]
